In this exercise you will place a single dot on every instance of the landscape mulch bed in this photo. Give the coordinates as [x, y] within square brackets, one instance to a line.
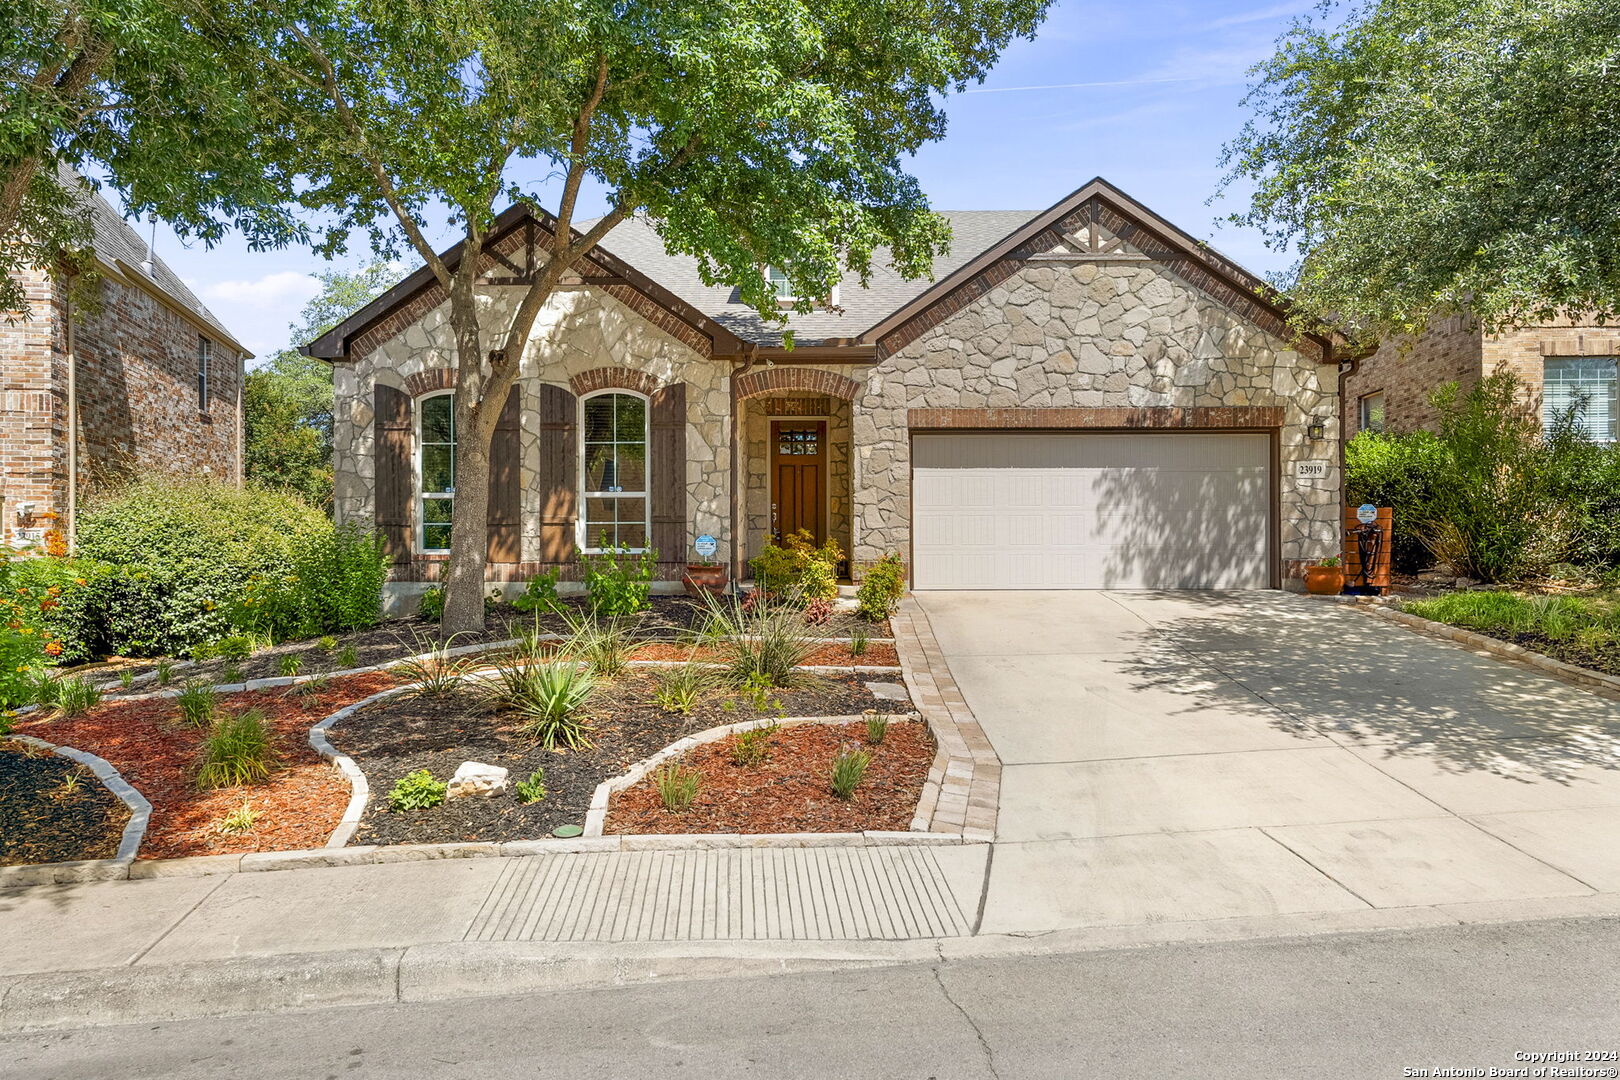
[54, 810]
[398, 638]
[1571, 651]
[790, 791]
[147, 742]
[402, 734]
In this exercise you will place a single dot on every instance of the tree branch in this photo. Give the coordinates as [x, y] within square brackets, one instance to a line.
[577, 147]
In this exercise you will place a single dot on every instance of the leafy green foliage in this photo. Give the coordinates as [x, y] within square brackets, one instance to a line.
[533, 789]
[881, 588]
[26, 640]
[618, 582]
[606, 644]
[239, 750]
[430, 670]
[797, 569]
[417, 791]
[289, 664]
[540, 594]
[546, 697]
[1582, 630]
[1416, 156]
[753, 747]
[848, 769]
[1400, 472]
[765, 642]
[677, 786]
[76, 695]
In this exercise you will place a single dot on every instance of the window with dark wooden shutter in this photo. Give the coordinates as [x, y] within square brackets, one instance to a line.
[506, 483]
[558, 475]
[392, 468]
[667, 456]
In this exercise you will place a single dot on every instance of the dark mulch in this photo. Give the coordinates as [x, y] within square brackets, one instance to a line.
[54, 810]
[1602, 657]
[790, 791]
[400, 735]
[397, 638]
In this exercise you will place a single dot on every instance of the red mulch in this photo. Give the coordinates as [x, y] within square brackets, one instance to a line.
[298, 807]
[836, 654]
[789, 792]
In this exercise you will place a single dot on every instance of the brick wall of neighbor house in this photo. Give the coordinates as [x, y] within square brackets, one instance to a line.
[1095, 335]
[32, 457]
[1524, 352]
[136, 364]
[1407, 370]
[579, 330]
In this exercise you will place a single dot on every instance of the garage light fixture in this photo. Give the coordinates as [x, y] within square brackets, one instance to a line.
[1316, 429]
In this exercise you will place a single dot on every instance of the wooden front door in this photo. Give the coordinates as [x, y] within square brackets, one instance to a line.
[798, 477]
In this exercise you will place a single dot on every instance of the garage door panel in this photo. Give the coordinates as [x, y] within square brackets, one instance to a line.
[1090, 511]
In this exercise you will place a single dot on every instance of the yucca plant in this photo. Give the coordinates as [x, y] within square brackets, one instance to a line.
[239, 750]
[546, 696]
[763, 644]
[606, 643]
[678, 689]
[196, 703]
[431, 670]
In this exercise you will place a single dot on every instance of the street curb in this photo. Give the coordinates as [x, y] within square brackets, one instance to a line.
[140, 813]
[1585, 677]
[239, 986]
[602, 797]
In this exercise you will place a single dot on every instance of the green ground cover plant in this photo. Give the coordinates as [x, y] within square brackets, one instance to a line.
[1582, 630]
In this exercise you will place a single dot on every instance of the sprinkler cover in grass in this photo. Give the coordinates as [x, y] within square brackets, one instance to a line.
[567, 830]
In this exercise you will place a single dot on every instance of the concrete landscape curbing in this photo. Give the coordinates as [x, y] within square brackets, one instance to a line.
[602, 797]
[140, 812]
[360, 790]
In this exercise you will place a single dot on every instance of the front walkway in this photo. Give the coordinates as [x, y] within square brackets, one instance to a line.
[1186, 756]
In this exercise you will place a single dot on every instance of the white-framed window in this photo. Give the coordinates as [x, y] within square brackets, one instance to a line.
[784, 289]
[1587, 384]
[613, 470]
[1370, 415]
[205, 351]
[435, 470]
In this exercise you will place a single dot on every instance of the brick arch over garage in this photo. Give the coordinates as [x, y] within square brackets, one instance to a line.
[814, 380]
[613, 378]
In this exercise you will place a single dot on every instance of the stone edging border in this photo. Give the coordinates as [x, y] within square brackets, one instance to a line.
[596, 818]
[1383, 609]
[359, 789]
[140, 812]
[963, 792]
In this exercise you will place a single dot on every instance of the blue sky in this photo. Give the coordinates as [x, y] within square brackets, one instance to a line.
[1142, 93]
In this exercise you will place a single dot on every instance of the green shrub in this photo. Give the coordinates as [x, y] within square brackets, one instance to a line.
[848, 768]
[533, 789]
[76, 695]
[680, 688]
[289, 664]
[753, 747]
[418, 791]
[546, 696]
[618, 582]
[540, 594]
[881, 588]
[431, 604]
[239, 750]
[677, 787]
[796, 568]
[1400, 472]
[431, 670]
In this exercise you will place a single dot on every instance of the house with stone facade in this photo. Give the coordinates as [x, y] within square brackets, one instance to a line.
[137, 377]
[1083, 397]
[1557, 363]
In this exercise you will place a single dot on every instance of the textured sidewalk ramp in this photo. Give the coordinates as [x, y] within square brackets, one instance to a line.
[824, 894]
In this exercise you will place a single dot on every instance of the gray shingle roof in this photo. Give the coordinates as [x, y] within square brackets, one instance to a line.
[972, 231]
[116, 240]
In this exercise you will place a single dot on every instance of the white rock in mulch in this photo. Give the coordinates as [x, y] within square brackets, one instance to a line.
[476, 778]
[888, 691]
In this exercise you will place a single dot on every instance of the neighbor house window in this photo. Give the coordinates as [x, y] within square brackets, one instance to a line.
[205, 349]
[779, 283]
[436, 470]
[614, 487]
[1586, 384]
[1372, 412]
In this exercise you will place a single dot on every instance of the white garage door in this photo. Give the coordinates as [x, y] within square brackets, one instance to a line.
[1070, 510]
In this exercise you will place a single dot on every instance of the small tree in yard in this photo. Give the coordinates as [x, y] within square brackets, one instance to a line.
[751, 132]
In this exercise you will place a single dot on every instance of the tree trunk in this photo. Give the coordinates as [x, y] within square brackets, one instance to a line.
[475, 430]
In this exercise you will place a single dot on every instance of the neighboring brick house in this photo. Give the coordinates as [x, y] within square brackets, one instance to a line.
[142, 379]
[1556, 363]
[1087, 397]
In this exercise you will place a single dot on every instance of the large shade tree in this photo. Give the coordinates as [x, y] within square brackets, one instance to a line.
[752, 132]
[1425, 157]
[133, 88]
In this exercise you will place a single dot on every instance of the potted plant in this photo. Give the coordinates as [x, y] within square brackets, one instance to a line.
[704, 576]
[1326, 578]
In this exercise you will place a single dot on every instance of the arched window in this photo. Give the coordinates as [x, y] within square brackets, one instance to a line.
[613, 466]
[435, 471]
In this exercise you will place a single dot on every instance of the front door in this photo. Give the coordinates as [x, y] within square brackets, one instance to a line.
[798, 477]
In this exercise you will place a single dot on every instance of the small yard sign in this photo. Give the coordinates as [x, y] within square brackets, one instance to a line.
[1310, 470]
[1366, 513]
[706, 546]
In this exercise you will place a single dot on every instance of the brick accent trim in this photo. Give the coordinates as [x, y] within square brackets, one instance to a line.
[426, 382]
[814, 380]
[614, 378]
[963, 791]
[797, 406]
[1580, 345]
[1225, 417]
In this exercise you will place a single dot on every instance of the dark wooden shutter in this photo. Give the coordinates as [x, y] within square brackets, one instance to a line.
[394, 485]
[505, 515]
[558, 475]
[668, 459]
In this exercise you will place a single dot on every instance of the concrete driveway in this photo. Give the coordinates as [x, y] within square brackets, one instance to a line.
[1191, 756]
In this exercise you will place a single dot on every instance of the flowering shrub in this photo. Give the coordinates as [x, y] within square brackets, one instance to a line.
[26, 646]
[798, 567]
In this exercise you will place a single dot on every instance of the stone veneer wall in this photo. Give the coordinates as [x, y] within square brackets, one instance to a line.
[1094, 334]
[757, 463]
[579, 330]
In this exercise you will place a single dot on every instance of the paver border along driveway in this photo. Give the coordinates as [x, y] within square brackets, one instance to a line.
[1185, 756]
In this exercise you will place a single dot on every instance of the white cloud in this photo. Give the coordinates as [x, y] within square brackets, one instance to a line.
[283, 290]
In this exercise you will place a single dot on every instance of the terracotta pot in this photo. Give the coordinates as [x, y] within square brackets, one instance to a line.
[1324, 580]
[700, 579]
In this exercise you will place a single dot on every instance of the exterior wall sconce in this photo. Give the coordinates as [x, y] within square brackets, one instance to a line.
[1316, 430]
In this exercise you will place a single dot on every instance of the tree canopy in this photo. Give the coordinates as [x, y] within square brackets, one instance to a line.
[751, 132]
[1425, 157]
